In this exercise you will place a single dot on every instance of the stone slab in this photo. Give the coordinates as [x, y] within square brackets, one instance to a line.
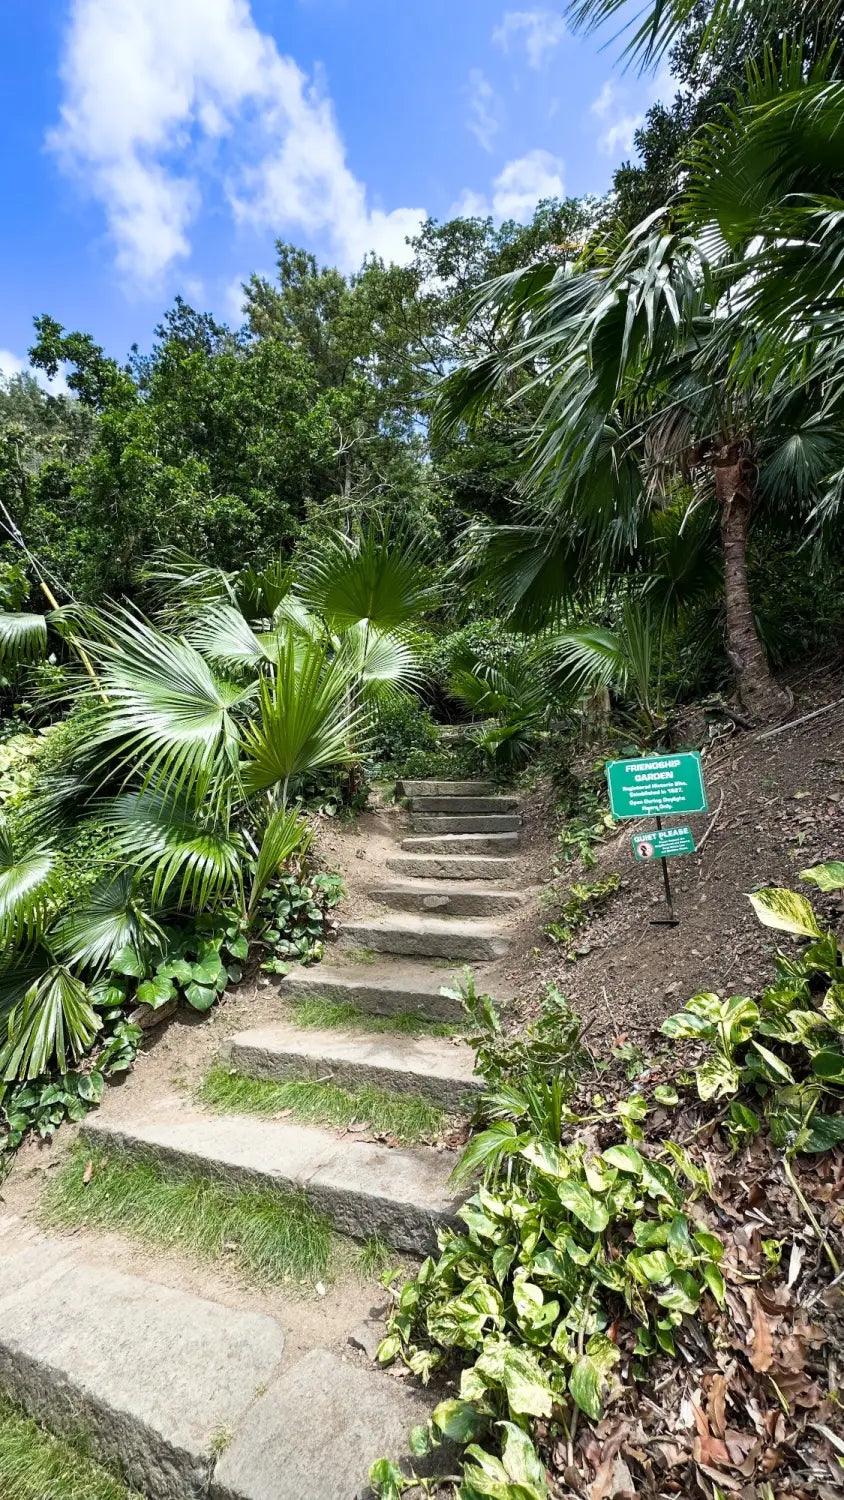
[444, 900]
[316, 1433]
[153, 1377]
[461, 843]
[391, 990]
[457, 805]
[436, 1067]
[466, 823]
[444, 788]
[427, 937]
[364, 1188]
[452, 866]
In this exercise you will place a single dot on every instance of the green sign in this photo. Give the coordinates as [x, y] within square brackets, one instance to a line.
[655, 785]
[661, 843]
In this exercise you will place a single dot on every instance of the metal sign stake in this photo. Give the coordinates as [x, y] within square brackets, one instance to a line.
[670, 920]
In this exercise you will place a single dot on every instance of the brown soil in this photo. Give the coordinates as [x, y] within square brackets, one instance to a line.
[776, 807]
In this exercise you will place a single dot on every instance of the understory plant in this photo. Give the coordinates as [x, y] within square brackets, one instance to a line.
[188, 745]
[588, 1244]
[779, 1059]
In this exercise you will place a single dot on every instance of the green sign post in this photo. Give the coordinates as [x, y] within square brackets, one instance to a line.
[662, 843]
[655, 786]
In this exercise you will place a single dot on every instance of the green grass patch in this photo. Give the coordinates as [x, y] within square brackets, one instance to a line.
[408, 1117]
[35, 1465]
[267, 1236]
[361, 955]
[325, 1014]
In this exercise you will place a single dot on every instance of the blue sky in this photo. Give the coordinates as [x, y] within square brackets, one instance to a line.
[156, 147]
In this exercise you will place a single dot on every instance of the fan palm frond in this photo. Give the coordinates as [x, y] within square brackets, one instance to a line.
[286, 834]
[384, 662]
[113, 917]
[193, 860]
[27, 889]
[169, 719]
[179, 585]
[379, 578]
[308, 719]
[23, 639]
[54, 1023]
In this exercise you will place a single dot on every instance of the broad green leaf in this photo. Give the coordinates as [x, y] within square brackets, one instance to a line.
[626, 1158]
[685, 1025]
[773, 1064]
[176, 968]
[547, 1158]
[585, 1387]
[715, 1281]
[419, 1440]
[128, 962]
[655, 1265]
[200, 997]
[603, 1352]
[786, 911]
[526, 1384]
[827, 877]
[387, 1481]
[580, 1202]
[682, 1295]
[155, 992]
[717, 1076]
[829, 1064]
[520, 1458]
[825, 1132]
[458, 1420]
[666, 1095]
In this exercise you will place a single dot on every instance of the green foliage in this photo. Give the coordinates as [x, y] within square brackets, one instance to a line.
[34, 1465]
[581, 804]
[268, 1237]
[325, 1014]
[297, 920]
[403, 730]
[780, 1058]
[579, 905]
[407, 1118]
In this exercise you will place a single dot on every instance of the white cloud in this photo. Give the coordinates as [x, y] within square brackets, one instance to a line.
[469, 205]
[158, 93]
[522, 183]
[621, 121]
[11, 364]
[483, 120]
[541, 30]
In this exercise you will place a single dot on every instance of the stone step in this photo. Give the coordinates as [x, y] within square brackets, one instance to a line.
[452, 866]
[427, 937]
[444, 900]
[395, 989]
[365, 1188]
[187, 1397]
[444, 788]
[461, 843]
[435, 1067]
[458, 805]
[468, 823]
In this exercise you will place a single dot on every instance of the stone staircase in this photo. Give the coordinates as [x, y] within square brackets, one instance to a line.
[192, 1398]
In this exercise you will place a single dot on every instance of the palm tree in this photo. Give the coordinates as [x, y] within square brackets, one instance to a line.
[193, 734]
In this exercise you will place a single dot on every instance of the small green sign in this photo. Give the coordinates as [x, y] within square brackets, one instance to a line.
[656, 785]
[661, 843]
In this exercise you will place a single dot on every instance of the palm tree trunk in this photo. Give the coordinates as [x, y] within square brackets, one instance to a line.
[735, 489]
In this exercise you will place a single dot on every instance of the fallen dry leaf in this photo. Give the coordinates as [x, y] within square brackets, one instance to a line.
[761, 1353]
[88, 1173]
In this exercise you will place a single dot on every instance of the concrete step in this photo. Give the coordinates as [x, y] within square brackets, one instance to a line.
[186, 1397]
[452, 866]
[461, 843]
[467, 823]
[458, 805]
[435, 1067]
[427, 937]
[444, 789]
[444, 900]
[365, 1188]
[393, 989]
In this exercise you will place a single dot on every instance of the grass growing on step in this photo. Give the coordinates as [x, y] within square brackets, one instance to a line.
[407, 1117]
[325, 1014]
[35, 1465]
[267, 1236]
